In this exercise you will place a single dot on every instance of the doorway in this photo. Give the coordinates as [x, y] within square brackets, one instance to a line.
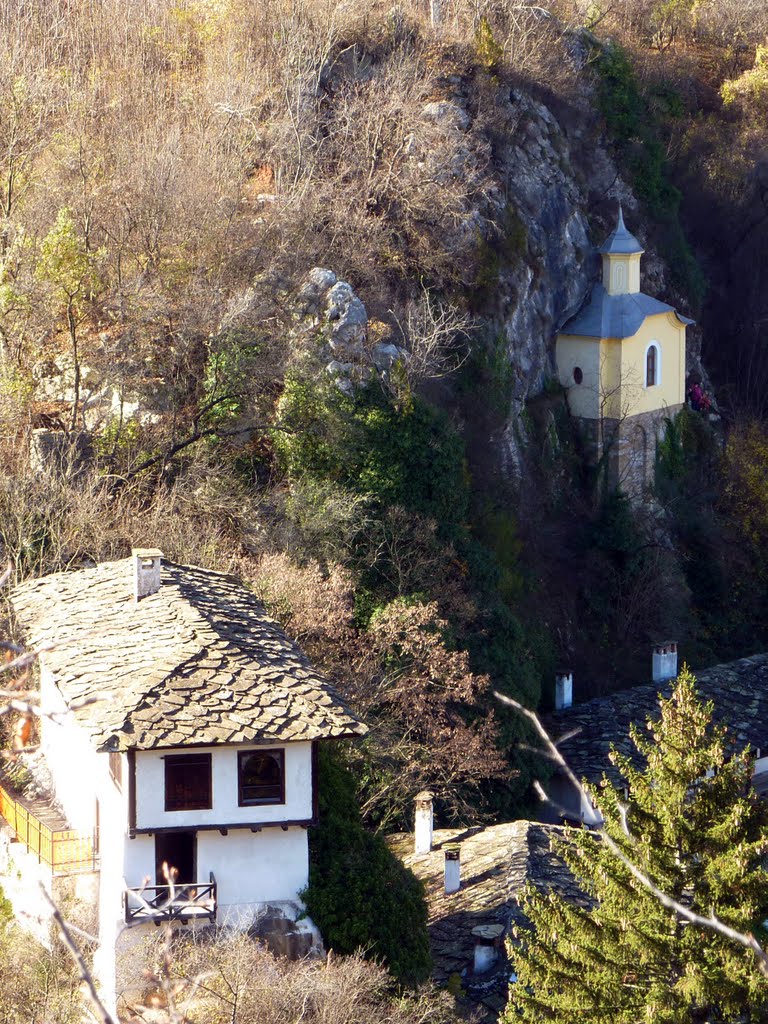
[178, 850]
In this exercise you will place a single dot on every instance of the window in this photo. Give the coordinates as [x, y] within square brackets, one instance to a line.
[578, 375]
[260, 777]
[187, 782]
[651, 366]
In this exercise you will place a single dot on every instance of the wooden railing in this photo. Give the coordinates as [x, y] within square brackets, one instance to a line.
[65, 851]
[180, 902]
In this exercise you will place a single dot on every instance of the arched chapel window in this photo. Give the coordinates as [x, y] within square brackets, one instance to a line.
[651, 366]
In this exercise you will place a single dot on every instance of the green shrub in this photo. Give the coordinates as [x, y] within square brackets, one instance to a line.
[636, 121]
[489, 51]
[504, 249]
[360, 895]
[6, 910]
[407, 455]
[489, 371]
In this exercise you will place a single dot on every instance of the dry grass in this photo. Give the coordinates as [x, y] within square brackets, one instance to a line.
[49, 522]
[231, 979]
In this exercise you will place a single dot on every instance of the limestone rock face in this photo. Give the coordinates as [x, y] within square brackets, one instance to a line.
[536, 255]
[333, 328]
[537, 259]
[346, 314]
[446, 114]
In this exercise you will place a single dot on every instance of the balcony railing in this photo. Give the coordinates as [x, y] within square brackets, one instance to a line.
[180, 902]
[65, 851]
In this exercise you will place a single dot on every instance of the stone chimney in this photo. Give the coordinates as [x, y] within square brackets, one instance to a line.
[422, 831]
[488, 940]
[664, 662]
[563, 689]
[146, 571]
[452, 867]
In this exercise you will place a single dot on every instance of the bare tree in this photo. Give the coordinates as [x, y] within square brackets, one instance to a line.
[432, 331]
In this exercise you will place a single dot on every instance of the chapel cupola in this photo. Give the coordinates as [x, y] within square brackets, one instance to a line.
[621, 254]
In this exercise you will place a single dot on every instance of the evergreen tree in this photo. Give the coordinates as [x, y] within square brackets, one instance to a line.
[699, 832]
[360, 895]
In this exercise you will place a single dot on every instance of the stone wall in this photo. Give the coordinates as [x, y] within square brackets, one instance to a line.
[629, 447]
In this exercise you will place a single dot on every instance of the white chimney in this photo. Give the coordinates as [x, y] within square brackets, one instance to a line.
[563, 690]
[664, 662]
[422, 831]
[488, 939]
[146, 571]
[452, 868]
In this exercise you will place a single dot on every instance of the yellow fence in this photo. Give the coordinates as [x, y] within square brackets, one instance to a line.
[63, 850]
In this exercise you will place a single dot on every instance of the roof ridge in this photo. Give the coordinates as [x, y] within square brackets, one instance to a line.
[197, 661]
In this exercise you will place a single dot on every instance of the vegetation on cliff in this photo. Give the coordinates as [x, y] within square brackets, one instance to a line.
[171, 172]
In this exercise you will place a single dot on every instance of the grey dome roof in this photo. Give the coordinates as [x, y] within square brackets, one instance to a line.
[621, 242]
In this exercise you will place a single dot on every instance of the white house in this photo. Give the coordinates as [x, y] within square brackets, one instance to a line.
[184, 735]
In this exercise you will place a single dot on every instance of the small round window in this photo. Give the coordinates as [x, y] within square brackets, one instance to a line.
[578, 376]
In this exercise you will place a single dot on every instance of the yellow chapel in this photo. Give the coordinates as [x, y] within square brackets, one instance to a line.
[621, 360]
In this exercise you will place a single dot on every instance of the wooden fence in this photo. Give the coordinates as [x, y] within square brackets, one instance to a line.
[65, 851]
[171, 902]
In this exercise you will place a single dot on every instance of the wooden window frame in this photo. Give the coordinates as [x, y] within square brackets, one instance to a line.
[278, 753]
[116, 768]
[175, 761]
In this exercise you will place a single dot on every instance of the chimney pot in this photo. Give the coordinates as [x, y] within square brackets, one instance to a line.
[563, 689]
[423, 825]
[146, 571]
[488, 939]
[664, 661]
[452, 867]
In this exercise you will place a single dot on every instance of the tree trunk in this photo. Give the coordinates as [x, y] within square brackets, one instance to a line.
[76, 359]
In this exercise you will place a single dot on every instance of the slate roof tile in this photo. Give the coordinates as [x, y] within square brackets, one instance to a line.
[738, 690]
[496, 863]
[200, 659]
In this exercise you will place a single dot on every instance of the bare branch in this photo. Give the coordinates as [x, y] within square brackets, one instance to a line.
[99, 1011]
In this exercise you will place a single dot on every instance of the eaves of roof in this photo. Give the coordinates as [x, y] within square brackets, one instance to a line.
[616, 316]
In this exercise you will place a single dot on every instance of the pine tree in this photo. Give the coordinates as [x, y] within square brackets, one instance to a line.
[699, 832]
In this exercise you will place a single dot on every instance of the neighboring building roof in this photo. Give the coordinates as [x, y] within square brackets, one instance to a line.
[496, 863]
[621, 242]
[616, 316]
[739, 690]
[197, 662]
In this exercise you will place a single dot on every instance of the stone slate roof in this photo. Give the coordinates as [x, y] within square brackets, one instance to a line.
[621, 242]
[496, 863]
[616, 316]
[197, 662]
[739, 690]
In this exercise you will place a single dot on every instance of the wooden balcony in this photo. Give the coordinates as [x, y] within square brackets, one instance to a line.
[40, 829]
[180, 902]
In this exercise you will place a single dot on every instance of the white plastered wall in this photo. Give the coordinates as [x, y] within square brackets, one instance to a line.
[150, 789]
[251, 868]
[74, 765]
[81, 777]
